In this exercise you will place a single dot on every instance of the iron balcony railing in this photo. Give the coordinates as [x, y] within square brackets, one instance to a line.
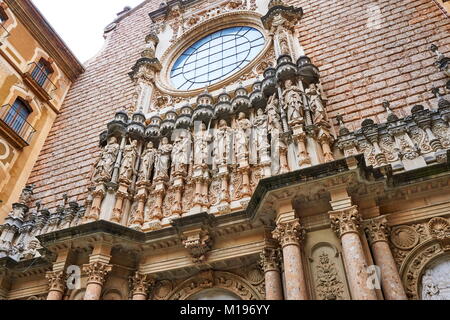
[41, 75]
[14, 120]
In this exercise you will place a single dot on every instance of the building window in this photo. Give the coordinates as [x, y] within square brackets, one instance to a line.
[3, 15]
[216, 57]
[16, 116]
[41, 72]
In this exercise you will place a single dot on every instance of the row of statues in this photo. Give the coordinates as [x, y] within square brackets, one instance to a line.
[247, 141]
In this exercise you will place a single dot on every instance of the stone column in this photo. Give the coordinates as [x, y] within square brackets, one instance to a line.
[290, 234]
[346, 223]
[270, 262]
[140, 285]
[57, 284]
[377, 233]
[97, 272]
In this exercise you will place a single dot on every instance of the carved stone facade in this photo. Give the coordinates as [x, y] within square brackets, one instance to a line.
[262, 184]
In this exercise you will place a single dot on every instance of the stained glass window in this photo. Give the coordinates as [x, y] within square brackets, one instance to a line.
[216, 57]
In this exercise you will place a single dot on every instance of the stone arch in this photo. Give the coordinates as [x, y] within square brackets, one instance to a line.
[112, 294]
[434, 284]
[215, 280]
[415, 265]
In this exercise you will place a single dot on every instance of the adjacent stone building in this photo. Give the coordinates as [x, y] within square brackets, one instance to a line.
[246, 149]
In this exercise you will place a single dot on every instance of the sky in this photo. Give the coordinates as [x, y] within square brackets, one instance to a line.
[80, 23]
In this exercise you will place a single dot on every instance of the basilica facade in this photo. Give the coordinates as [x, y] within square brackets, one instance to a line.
[246, 149]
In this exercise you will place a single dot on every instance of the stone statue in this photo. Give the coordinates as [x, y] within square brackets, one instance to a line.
[293, 103]
[222, 143]
[242, 137]
[201, 139]
[181, 152]
[316, 105]
[162, 161]
[105, 165]
[261, 125]
[148, 160]
[129, 160]
[273, 117]
[31, 250]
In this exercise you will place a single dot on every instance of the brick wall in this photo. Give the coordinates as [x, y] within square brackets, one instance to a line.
[360, 66]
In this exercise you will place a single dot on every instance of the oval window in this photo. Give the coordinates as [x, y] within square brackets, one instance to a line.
[216, 57]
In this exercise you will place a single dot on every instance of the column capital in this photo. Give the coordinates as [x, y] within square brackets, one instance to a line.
[56, 280]
[346, 221]
[141, 283]
[270, 259]
[97, 272]
[289, 233]
[376, 229]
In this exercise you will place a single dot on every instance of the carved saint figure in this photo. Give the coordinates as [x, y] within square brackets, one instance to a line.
[105, 165]
[148, 160]
[274, 119]
[201, 140]
[129, 160]
[181, 152]
[222, 143]
[162, 162]
[242, 137]
[261, 125]
[293, 103]
[316, 105]
[31, 250]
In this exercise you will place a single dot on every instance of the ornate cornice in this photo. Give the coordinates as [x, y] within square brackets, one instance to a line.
[289, 233]
[377, 229]
[97, 272]
[346, 221]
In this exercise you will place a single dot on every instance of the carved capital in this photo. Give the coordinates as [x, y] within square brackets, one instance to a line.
[56, 281]
[345, 221]
[289, 233]
[97, 272]
[377, 229]
[270, 259]
[141, 283]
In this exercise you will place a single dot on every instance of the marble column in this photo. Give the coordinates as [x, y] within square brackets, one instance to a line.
[270, 262]
[57, 284]
[290, 234]
[377, 233]
[346, 223]
[97, 272]
[141, 284]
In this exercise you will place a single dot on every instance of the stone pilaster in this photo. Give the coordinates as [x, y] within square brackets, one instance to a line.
[96, 272]
[377, 233]
[290, 235]
[57, 284]
[140, 285]
[270, 263]
[346, 223]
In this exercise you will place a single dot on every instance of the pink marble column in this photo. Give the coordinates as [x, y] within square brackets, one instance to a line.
[141, 284]
[346, 223]
[97, 272]
[377, 234]
[290, 235]
[271, 266]
[57, 283]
